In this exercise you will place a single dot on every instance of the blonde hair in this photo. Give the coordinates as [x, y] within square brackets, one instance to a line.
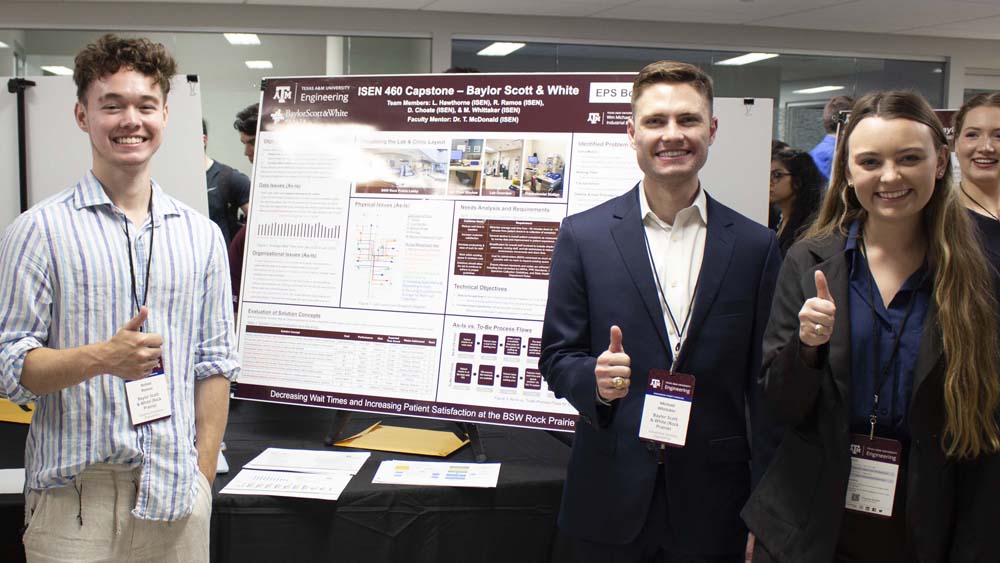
[964, 291]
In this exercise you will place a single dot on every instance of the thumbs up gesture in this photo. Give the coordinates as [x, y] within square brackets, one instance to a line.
[817, 314]
[132, 354]
[612, 370]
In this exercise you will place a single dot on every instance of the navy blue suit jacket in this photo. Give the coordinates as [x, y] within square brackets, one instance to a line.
[600, 277]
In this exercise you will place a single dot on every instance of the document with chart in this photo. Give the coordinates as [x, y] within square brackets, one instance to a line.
[401, 228]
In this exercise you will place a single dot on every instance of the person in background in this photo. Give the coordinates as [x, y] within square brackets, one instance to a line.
[796, 191]
[822, 153]
[881, 360]
[246, 125]
[977, 146]
[228, 191]
[115, 299]
[461, 70]
[773, 213]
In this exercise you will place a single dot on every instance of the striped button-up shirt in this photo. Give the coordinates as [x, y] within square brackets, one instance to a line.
[65, 282]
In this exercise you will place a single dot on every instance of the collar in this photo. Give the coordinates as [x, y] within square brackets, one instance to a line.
[89, 192]
[852, 247]
[700, 205]
[853, 234]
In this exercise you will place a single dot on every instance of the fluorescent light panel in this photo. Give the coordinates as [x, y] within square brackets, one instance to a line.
[500, 49]
[58, 70]
[242, 38]
[3, 45]
[747, 59]
[818, 89]
[259, 64]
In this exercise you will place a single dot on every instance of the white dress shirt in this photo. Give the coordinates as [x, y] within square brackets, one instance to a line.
[676, 252]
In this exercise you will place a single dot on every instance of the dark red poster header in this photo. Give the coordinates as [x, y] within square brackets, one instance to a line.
[558, 103]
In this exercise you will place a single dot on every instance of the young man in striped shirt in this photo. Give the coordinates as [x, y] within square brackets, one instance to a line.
[115, 319]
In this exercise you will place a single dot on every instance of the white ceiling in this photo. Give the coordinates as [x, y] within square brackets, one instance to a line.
[968, 19]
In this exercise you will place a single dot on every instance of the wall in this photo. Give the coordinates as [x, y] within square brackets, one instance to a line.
[442, 27]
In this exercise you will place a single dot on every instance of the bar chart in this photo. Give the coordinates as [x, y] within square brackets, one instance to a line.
[299, 230]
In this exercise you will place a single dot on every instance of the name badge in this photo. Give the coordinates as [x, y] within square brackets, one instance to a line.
[667, 407]
[871, 488]
[148, 398]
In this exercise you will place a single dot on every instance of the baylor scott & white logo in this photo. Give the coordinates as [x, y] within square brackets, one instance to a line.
[282, 93]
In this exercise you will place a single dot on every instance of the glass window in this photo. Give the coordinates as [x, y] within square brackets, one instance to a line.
[797, 115]
[227, 83]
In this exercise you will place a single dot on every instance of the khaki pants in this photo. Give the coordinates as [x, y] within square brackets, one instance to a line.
[103, 497]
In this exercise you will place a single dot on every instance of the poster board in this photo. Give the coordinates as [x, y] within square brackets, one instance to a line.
[401, 230]
[59, 152]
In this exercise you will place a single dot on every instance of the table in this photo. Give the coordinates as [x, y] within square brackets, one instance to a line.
[514, 522]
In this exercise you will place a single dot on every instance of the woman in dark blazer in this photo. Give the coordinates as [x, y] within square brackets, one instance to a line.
[881, 360]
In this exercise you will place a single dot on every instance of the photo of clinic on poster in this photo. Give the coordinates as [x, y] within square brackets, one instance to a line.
[502, 167]
[466, 167]
[403, 170]
[545, 167]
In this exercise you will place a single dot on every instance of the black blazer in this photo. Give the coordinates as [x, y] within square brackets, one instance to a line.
[952, 507]
[600, 276]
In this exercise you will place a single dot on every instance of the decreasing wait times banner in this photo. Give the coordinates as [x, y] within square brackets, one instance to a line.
[400, 234]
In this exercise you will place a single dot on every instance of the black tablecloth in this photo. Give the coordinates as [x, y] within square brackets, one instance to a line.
[513, 522]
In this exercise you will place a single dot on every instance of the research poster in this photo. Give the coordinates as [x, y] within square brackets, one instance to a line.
[401, 228]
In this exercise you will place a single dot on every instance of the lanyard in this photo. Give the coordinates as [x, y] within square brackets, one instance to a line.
[149, 260]
[663, 296]
[880, 371]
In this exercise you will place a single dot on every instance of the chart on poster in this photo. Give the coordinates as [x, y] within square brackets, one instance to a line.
[401, 229]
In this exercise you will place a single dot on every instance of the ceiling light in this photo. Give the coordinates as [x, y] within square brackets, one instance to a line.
[747, 59]
[938, 70]
[259, 64]
[58, 70]
[500, 49]
[3, 45]
[242, 38]
[818, 89]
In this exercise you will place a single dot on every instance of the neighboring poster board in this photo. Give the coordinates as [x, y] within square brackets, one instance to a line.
[59, 152]
[10, 200]
[401, 230]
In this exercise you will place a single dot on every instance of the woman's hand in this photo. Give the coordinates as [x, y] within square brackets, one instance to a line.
[817, 315]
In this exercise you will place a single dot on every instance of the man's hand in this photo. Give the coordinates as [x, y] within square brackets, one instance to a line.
[817, 315]
[613, 367]
[131, 354]
[748, 553]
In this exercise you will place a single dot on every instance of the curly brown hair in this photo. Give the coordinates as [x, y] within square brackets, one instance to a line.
[111, 53]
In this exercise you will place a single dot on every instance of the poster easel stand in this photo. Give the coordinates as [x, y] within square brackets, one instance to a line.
[470, 430]
[18, 86]
[340, 420]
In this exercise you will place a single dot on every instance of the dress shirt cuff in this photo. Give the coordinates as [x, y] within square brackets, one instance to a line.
[11, 366]
[228, 368]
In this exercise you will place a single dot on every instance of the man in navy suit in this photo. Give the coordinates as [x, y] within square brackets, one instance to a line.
[662, 278]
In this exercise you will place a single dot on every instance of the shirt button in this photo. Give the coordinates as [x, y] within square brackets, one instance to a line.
[673, 284]
[675, 238]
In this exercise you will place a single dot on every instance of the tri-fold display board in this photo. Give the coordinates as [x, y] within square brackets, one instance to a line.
[401, 229]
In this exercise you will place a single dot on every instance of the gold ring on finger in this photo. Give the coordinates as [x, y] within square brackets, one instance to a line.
[618, 382]
[818, 329]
